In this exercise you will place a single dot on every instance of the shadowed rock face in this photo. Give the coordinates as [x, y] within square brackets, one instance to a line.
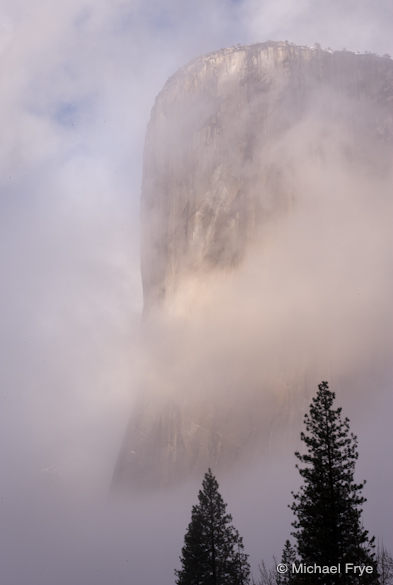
[221, 165]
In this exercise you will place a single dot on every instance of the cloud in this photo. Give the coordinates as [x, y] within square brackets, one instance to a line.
[78, 79]
[357, 26]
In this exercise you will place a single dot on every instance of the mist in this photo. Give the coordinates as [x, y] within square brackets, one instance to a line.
[78, 82]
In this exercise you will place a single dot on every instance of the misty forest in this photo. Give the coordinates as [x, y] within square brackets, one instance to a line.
[197, 277]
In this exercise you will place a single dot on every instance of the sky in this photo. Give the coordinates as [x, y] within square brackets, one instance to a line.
[78, 80]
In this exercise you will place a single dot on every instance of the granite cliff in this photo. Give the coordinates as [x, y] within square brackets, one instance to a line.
[210, 176]
[233, 140]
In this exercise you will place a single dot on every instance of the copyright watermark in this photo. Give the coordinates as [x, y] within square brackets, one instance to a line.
[314, 569]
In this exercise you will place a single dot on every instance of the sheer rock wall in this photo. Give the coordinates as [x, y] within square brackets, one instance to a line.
[221, 165]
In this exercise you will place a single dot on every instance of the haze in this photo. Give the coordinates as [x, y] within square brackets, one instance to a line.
[78, 81]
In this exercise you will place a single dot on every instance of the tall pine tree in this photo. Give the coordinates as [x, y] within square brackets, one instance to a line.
[213, 552]
[328, 507]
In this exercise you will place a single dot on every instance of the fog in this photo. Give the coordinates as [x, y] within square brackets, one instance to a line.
[78, 80]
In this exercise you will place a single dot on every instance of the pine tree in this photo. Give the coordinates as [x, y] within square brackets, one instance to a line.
[272, 576]
[288, 558]
[328, 507]
[213, 552]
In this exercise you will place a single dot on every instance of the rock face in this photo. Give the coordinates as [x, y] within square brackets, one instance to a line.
[210, 176]
[226, 149]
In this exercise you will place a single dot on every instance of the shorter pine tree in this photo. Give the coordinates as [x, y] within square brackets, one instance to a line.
[213, 552]
[277, 575]
[288, 559]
